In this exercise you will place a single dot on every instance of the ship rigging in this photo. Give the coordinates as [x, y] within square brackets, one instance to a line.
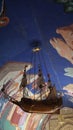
[48, 102]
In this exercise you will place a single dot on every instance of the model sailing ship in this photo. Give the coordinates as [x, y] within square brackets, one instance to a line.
[50, 104]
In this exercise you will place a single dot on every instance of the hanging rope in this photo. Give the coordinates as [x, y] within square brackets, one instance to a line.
[41, 82]
[45, 65]
[24, 81]
[49, 84]
[30, 68]
[53, 67]
[34, 64]
[42, 36]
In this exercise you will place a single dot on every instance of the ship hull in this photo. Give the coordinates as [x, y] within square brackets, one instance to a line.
[38, 106]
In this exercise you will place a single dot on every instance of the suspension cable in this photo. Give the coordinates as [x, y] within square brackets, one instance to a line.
[45, 64]
[40, 66]
[34, 63]
[30, 69]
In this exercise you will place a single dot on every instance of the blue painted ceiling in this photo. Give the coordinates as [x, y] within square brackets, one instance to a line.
[35, 20]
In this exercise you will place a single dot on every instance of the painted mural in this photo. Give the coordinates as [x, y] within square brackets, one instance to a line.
[64, 47]
[12, 117]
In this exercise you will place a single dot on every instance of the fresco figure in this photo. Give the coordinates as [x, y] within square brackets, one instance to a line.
[64, 46]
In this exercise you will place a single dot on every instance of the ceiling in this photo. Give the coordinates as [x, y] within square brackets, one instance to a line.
[36, 21]
[39, 21]
[29, 21]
